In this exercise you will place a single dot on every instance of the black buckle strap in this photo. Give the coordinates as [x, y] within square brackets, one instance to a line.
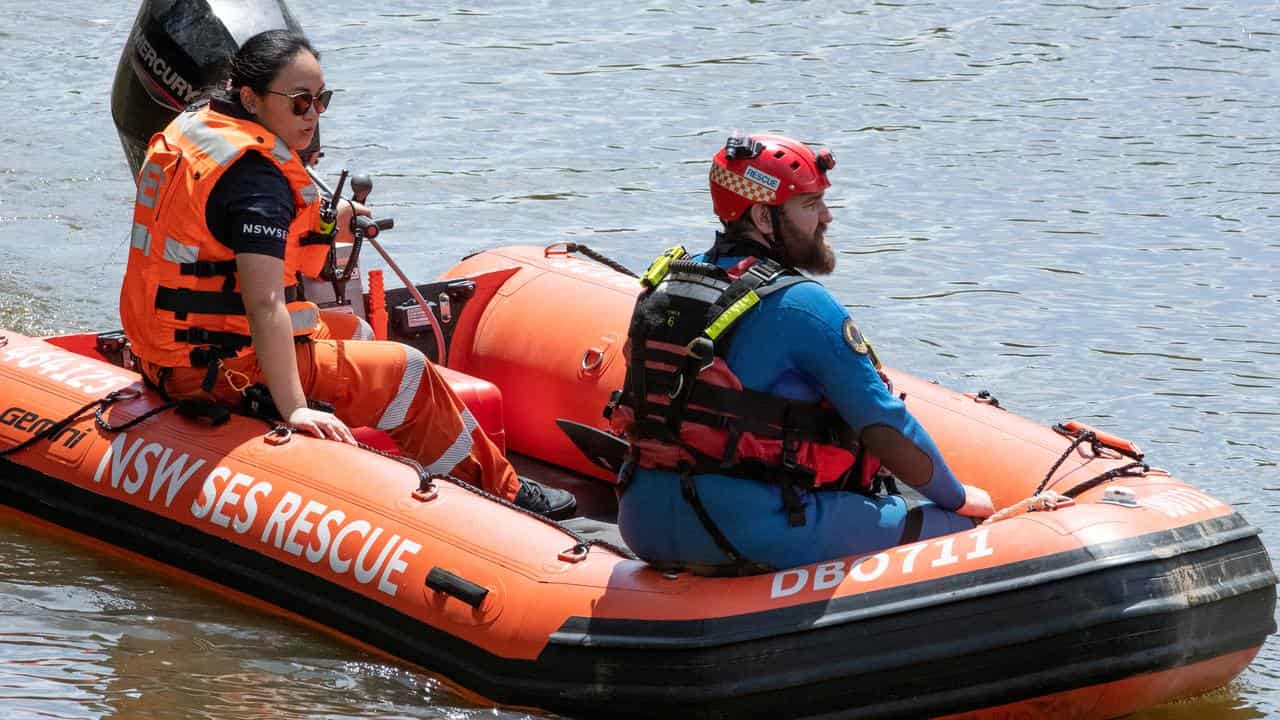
[793, 505]
[256, 400]
[208, 268]
[763, 271]
[812, 421]
[210, 376]
[764, 430]
[730, 457]
[701, 354]
[204, 411]
[210, 356]
[162, 378]
[182, 301]
[201, 336]
[912, 523]
[315, 238]
[741, 565]
[758, 274]
[791, 475]
[761, 413]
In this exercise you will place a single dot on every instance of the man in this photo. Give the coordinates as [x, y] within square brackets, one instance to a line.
[758, 419]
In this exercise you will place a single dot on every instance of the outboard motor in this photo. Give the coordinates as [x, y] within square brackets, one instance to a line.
[176, 50]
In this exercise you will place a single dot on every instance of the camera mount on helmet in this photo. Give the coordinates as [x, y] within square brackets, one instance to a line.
[738, 147]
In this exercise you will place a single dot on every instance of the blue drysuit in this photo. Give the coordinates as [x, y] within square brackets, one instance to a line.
[792, 344]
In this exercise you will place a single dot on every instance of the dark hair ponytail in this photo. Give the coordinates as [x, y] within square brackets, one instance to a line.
[259, 60]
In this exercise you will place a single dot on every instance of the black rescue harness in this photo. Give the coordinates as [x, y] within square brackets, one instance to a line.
[676, 414]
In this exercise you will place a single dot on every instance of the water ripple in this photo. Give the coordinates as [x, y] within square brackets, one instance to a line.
[952, 293]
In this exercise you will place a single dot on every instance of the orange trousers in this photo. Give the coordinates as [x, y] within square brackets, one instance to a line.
[338, 325]
[383, 385]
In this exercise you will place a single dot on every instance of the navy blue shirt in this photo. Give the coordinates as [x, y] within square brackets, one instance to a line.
[251, 206]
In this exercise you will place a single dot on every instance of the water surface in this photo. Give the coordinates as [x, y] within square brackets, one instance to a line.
[1073, 205]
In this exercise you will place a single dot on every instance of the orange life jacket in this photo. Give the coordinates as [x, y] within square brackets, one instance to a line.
[683, 409]
[180, 303]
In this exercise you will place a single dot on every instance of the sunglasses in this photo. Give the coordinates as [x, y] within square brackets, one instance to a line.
[302, 101]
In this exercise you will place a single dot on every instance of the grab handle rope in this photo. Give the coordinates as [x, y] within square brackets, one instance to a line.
[1052, 500]
[1048, 500]
[568, 248]
[1081, 434]
[101, 404]
[426, 479]
[1133, 469]
[1044, 499]
[1082, 438]
[108, 427]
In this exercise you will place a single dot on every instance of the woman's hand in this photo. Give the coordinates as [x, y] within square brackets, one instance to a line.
[321, 424]
[347, 209]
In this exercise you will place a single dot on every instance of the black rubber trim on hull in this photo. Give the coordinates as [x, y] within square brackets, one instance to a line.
[1057, 569]
[280, 584]
[1092, 629]
[1053, 637]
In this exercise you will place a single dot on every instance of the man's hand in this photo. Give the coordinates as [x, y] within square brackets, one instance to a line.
[977, 503]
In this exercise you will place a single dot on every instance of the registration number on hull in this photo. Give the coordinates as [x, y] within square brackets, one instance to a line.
[906, 560]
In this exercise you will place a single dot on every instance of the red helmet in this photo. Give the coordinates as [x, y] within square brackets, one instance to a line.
[766, 169]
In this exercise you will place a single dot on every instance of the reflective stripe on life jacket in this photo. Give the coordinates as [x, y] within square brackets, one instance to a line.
[682, 407]
[180, 302]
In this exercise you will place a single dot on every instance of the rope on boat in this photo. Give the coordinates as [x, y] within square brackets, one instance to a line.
[1047, 500]
[101, 404]
[426, 479]
[1133, 469]
[108, 427]
[1052, 500]
[1044, 499]
[1079, 440]
[1095, 445]
[426, 489]
[567, 248]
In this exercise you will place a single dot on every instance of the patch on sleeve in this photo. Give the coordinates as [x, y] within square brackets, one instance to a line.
[853, 337]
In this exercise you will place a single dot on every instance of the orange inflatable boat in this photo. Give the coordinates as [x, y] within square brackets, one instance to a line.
[1125, 589]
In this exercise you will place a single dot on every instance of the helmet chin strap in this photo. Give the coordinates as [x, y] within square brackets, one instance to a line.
[777, 243]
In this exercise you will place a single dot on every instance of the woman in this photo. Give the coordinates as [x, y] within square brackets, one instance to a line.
[226, 218]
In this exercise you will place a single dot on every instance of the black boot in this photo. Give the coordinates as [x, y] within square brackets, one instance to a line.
[552, 502]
